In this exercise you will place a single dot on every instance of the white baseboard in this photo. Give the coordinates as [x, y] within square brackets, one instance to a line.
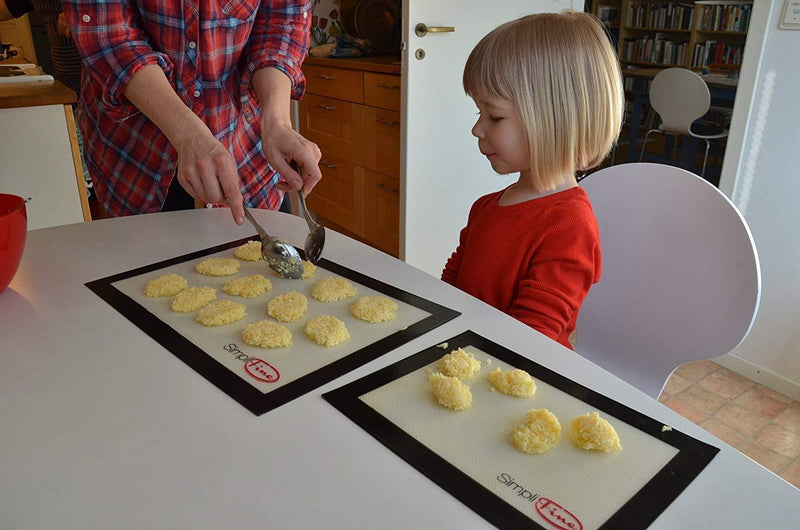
[760, 375]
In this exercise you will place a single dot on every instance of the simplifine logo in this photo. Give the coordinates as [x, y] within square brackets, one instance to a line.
[520, 490]
[256, 368]
[550, 511]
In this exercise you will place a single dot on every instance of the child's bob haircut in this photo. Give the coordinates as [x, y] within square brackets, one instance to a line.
[561, 72]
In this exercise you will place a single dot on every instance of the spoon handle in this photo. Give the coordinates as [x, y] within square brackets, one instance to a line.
[312, 224]
[261, 232]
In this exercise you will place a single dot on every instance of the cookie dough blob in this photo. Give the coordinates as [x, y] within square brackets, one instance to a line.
[221, 312]
[218, 267]
[450, 392]
[374, 309]
[540, 432]
[513, 382]
[459, 363]
[327, 330]
[167, 285]
[250, 251]
[333, 289]
[288, 307]
[267, 334]
[309, 270]
[193, 298]
[248, 286]
[591, 432]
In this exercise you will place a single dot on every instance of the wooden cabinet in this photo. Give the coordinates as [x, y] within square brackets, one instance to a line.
[351, 110]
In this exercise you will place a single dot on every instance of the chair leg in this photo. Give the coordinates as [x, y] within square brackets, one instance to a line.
[705, 158]
[644, 144]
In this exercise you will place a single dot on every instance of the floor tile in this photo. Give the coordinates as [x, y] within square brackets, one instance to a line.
[723, 385]
[772, 394]
[736, 377]
[697, 370]
[740, 419]
[792, 475]
[701, 399]
[687, 411]
[723, 432]
[767, 458]
[789, 419]
[676, 384]
[760, 402]
[779, 440]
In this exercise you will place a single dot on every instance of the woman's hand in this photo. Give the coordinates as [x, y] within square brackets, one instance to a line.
[282, 145]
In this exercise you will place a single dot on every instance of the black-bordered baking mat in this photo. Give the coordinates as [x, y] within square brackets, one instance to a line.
[469, 454]
[262, 379]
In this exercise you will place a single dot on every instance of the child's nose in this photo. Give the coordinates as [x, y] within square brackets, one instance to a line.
[477, 132]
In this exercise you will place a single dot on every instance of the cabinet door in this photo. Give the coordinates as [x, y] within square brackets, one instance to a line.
[380, 148]
[334, 125]
[339, 196]
[382, 211]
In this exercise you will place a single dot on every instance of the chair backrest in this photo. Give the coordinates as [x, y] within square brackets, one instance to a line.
[679, 96]
[680, 280]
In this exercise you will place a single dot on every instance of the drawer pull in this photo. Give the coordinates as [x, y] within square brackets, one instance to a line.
[386, 188]
[326, 77]
[327, 164]
[327, 107]
[388, 122]
[390, 87]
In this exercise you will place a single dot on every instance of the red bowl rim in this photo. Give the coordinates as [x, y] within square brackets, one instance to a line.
[10, 203]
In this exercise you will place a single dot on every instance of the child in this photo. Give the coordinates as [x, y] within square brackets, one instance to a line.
[549, 92]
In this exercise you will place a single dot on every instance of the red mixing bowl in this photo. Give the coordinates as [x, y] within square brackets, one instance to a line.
[13, 229]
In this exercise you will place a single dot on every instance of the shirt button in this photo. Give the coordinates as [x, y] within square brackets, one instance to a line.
[192, 44]
[86, 18]
[197, 93]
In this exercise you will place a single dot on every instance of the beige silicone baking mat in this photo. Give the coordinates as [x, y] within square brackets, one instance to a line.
[469, 453]
[268, 370]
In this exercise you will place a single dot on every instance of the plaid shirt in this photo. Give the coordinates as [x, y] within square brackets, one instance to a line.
[208, 51]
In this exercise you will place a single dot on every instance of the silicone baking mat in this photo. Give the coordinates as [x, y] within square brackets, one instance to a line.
[262, 379]
[469, 454]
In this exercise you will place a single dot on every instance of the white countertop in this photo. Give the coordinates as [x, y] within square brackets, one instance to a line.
[101, 427]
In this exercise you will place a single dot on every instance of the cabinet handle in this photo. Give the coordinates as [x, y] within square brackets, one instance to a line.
[390, 87]
[386, 188]
[388, 122]
[327, 107]
[326, 77]
[327, 164]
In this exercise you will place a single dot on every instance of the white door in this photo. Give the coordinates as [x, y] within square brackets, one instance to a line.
[442, 171]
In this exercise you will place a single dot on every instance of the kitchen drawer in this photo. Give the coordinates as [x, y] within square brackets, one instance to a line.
[380, 148]
[382, 212]
[333, 124]
[382, 90]
[335, 83]
[339, 196]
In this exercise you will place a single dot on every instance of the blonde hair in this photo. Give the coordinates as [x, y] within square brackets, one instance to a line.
[563, 76]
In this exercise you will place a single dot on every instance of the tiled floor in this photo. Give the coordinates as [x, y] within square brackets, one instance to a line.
[756, 420]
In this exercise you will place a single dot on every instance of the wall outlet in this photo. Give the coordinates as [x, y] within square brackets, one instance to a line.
[790, 18]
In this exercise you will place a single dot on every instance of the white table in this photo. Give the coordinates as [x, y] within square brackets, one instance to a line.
[101, 427]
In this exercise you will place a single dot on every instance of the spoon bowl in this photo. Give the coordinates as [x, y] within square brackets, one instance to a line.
[279, 255]
[315, 240]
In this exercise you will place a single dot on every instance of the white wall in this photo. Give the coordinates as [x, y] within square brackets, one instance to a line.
[762, 175]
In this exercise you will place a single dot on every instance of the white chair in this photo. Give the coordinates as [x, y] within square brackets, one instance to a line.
[680, 275]
[680, 97]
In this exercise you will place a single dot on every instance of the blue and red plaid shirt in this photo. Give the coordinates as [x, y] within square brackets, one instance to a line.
[208, 51]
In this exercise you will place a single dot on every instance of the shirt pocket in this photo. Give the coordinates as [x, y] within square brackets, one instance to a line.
[241, 9]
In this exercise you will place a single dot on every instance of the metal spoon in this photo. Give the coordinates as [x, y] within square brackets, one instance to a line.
[278, 254]
[315, 240]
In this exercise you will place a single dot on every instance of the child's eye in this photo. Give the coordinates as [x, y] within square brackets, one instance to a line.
[495, 118]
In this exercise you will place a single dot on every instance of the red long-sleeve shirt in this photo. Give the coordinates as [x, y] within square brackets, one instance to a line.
[535, 260]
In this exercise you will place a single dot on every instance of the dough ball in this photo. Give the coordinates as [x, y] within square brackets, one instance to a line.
[267, 334]
[450, 391]
[459, 363]
[327, 330]
[218, 267]
[591, 432]
[248, 286]
[288, 307]
[513, 382]
[221, 312]
[250, 251]
[309, 270]
[193, 298]
[374, 309]
[540, 432]
[167, 285]
[332, 289]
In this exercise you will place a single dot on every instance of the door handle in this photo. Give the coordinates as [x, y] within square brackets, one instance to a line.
[421, 29]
